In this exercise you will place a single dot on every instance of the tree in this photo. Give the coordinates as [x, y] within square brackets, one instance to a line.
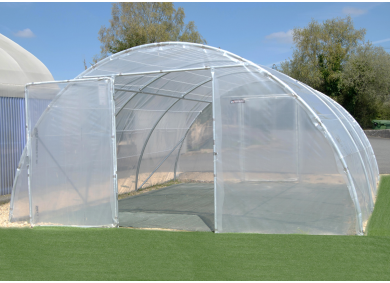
[137, 23]
[333, 58]
[321, 51]
[365, 84]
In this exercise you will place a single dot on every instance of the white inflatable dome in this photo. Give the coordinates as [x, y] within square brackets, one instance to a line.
[17, 68]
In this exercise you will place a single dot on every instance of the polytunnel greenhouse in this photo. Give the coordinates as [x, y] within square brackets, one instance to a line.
[190, 137]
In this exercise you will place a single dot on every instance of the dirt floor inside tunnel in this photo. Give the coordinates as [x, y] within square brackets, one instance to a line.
[185, 206]
[259, 207]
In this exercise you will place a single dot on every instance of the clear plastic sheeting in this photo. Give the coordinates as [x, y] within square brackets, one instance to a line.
[353, 154]
[162, 56]
[270, 153]
[71, 154]
[166, 139]
[19, 207]
[194, 161]
[274, 174]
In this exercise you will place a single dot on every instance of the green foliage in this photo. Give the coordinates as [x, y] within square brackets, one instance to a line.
[321, 51]
[384, 111]
[137, 23]
[365, 84]
[332, 58]
[379, 224]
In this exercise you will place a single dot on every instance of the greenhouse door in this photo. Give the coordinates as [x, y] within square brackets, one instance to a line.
[267, 139]
[71, 150]
[257, 156]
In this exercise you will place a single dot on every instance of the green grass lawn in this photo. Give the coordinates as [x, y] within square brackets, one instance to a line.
[127, 254]
[379, 224]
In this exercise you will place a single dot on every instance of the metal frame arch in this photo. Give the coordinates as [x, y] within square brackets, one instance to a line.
[331, 101]
[159, 44]
[357, 128]
[327, 135]
[353, 141]
[185, 135]
[155, 125]
[362, 136]
[140, 89]
[132, 96]
[179, 143]
[151, 81]
[314, 117]
[189, 92]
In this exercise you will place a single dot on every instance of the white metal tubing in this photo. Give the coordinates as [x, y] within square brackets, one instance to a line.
[151, 45]
[146, 142]
[245, 61]
[131, 97]
[28, 144]
[188, 128]
[333, 103]
[59, 94]
[214, 153]
[146, 85]
[18, 170]
[326, 134]
[70, 81]
[161, 163]
[140, 90]
[114, 156]
[336, 106]
[332, 142]
[167, 95]
[149, 83]
[55, 161]
[164, 95]
[297, 140]
[155, 125]
[363, 137]
[353, 141]
[241, 140]
[166, 71]
[185, 135]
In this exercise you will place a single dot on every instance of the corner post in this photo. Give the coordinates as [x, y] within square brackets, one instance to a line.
[28, 155]
[214, 151]
[114, 156]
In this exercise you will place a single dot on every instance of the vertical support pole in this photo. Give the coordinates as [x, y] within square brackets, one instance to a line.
[28, 155]
[1, 146]
[241, 142]
[297, 138]
[214, 151]
[114, 157]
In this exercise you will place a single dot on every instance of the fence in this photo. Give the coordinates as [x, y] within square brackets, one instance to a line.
[12, 139]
